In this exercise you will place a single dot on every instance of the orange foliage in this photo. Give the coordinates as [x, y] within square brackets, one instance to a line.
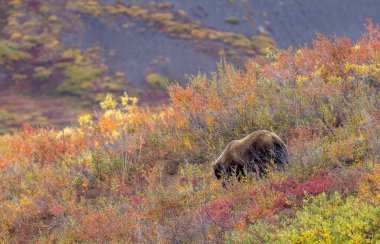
[42, 146]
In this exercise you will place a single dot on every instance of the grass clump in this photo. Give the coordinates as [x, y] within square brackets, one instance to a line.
[232, 20]
[156, 80]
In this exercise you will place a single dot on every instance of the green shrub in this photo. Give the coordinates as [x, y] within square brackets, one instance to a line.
[333, 220]
[156, 80]
[324, 219]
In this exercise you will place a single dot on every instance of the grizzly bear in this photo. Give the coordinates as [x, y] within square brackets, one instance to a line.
[254, 153]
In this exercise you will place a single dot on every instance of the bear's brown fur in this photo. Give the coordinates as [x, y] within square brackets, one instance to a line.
[253, 153]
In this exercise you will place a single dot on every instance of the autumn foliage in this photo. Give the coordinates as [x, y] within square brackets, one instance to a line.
[135, 174]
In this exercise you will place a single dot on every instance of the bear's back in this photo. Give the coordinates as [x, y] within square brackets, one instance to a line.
[259, 139]
[260, 145]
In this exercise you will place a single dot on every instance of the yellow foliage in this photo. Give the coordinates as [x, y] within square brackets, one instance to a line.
[108, 103]
[85, 120]
[334, 79]
[68, 131]
[24, 201]
[356, 47]
[363, 69]
[187, 143]
[301, 80]
[128, 102]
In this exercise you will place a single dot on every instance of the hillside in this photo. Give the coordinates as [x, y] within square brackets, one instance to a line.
[75, 52]
[133, 174]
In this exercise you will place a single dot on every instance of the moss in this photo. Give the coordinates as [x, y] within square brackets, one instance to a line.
[89, 6]
[5, 115]
[182, 14]
[238, 40]
[80, 79]
[156, 80]
[199, 33]
[11, 52]
[112, 86]
[221, 53]
[262, 42]
[42, 73]
[19, 77]
[232, 20]
[162, 17]
[163, 5]
[82, 73]
[120, 75]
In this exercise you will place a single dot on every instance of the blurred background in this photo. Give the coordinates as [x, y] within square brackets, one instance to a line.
[59, 58]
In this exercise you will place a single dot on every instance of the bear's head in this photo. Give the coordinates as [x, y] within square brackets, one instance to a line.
[223, 168]
[218, 169]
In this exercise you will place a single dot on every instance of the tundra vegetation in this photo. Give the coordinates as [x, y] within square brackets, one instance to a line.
[128, 173]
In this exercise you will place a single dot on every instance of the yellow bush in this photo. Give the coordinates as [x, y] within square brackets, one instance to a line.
[369, 186]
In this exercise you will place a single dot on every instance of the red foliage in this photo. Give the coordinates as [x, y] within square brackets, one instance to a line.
[268, 199]
[219, 212]
[57, 210]
[293, 193]
[43, 145]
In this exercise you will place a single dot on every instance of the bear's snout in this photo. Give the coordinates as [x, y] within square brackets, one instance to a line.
[218, 170]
